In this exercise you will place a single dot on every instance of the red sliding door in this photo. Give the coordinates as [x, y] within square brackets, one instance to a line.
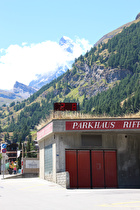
[84, 169]
[97, 160]
[110, 169]
[71, 167]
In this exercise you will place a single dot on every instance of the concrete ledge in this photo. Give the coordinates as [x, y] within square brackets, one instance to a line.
[15, 176]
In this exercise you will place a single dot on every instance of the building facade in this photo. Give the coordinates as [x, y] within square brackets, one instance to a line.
[12, 151]
[93, 153]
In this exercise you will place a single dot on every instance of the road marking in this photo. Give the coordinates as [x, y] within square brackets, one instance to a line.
[122, 204]
[37, 185]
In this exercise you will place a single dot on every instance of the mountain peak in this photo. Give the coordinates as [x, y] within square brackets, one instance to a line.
[17, 84]
[23, 90]
[67, 44]
[64, 39]
[138, 16]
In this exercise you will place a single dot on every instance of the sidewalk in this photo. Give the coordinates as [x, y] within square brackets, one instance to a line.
[19, 175]
[9, 176]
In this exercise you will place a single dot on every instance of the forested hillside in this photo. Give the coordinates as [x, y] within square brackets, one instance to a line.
[123, 99]
[106, 80]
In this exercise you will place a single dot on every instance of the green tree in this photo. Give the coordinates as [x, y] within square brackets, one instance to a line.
[28, 149]
[6, 137]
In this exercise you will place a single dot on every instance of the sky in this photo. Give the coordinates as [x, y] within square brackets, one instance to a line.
[30, 31]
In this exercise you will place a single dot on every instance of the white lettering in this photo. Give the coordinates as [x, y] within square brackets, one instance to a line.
[75, 124]
[89, 125]
[97, 125]
[138, 124]
[102, 125]
[112, 125]
[85, 124]
[130, 124]
[134, 123]
[125, 125]
[107, 125]
[80, 125]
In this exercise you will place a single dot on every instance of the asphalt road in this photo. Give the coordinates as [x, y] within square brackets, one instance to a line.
[38, 194]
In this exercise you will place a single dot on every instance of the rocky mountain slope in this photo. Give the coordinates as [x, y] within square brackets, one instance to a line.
[23, 90]
[18, 93]
[90, 80]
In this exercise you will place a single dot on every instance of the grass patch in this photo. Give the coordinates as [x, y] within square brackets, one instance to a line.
[74, 93]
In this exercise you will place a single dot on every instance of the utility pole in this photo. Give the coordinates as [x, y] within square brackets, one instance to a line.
[22, 160]
[3, 151]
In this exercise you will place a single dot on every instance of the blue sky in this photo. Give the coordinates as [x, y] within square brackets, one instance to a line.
[24, 24]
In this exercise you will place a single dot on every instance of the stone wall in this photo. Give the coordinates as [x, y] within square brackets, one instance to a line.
[62, 179]
[49, 177]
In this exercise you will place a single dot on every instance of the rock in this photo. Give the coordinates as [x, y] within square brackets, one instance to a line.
[138, 16]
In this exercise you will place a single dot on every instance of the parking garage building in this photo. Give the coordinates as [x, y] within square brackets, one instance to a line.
[91, 153]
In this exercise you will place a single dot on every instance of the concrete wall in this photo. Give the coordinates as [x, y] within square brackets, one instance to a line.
[59, 143]
[41, 159]
[66, 141]
[128, 148]
[30, 170]
[128, 157]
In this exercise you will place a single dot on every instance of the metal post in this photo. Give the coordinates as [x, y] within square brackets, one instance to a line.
[22, 150]
[3, 165]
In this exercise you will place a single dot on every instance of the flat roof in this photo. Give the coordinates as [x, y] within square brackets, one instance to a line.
[88, 125]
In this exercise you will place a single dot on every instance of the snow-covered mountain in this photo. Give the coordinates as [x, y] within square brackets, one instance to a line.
[42, 79]
[67, 44]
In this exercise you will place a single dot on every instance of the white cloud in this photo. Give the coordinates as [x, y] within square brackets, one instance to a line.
[84, 44]
[24, 43]
[1, 50]
[22, 63]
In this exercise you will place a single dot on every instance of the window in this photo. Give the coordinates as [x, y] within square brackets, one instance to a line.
[48, 159]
